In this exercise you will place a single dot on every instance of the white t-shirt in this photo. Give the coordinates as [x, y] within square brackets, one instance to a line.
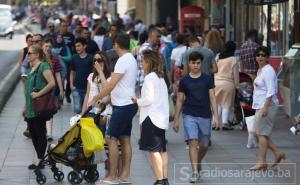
[154, 101]
[99, 39]
[177, 53]
[125, 89]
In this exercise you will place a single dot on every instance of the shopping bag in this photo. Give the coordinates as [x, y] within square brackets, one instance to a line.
[91, 136]
[250, 123]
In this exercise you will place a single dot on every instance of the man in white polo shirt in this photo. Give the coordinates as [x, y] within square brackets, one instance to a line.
[122, 88]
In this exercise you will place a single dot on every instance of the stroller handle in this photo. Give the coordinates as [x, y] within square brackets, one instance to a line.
[87, 111]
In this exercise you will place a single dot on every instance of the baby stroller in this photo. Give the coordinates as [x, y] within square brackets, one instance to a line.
[243, 101]
[70, 152]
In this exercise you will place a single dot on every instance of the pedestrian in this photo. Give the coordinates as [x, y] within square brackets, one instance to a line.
[122, 89]
[248, 63]
[22, 57]
[96, 82]
[92, 46]
[214, 41]
[265, 103]
[226, 81]
[40, 76]
[198, 90]
[154, 114]
[58, 90]
[81, 67]
[208, 65]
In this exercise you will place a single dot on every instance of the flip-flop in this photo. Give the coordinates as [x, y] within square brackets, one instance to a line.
[125, 181]
[106, 182]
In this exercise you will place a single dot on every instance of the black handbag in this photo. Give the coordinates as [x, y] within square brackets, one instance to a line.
[45, 106]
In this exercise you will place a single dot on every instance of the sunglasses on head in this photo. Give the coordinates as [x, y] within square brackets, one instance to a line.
[261, 55]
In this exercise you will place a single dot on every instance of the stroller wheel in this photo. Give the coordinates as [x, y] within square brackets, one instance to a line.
[41, 179]
[75, 177]
[59, 176]
[91, 175]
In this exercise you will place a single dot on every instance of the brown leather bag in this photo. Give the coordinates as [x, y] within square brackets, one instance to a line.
[44, 106]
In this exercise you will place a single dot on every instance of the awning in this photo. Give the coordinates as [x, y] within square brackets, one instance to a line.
[263, 2]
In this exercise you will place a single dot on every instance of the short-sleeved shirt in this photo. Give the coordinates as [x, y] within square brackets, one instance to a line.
[196, 90]
[208, 58]
[125, 89]
[82, 67]
[40, 83]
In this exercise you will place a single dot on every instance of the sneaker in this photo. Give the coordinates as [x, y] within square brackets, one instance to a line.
[27, 134]
[252, 145]
[194, 178]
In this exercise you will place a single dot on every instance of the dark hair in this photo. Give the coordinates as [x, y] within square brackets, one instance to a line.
[123, 41]
[154, 60]
[195, 56]
[39, 35]
[152, 31]
[80, 40]
[263, 49]
[100, 30]
[180, 38]
[193, 38]
[28, 36]
[135, 34]
[85, 28]
[106, 62]
[229, 50]
[143, 37]
[253, 33]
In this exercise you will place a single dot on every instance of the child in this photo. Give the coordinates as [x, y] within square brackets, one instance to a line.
[198, 90]
[154, 114]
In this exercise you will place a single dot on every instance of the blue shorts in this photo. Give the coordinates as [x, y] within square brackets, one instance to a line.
[121, 121]
[197, 128]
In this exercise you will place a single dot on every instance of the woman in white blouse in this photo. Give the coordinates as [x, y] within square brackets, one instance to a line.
[265, 103]
[154, 115]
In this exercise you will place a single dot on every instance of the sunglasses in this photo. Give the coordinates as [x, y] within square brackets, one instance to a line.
[261, 55]
[99, 60]
[30, 53]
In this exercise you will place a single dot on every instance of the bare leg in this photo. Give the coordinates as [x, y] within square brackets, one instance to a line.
[157, 164]
[113, 157]
[279, 155]
[262, 152]
[193, 151]
[126, 157]
[201, 153]
[165, 160]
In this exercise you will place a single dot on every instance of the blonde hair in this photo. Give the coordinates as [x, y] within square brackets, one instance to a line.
[213, 40]
[40, 52]
[155, 63]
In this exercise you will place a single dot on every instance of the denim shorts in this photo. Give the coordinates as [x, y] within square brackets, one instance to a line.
[121, 121]
[197, 128]
[78, 98]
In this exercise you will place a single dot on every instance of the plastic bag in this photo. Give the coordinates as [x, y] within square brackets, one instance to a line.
[91, 136]
[250, 123]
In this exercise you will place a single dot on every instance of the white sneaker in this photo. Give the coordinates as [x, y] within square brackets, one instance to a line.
[252, 145]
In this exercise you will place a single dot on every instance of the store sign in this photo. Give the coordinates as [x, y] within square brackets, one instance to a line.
[263, 2]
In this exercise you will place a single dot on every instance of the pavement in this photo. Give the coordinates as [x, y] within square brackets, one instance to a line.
[227, 160]
[226, 157]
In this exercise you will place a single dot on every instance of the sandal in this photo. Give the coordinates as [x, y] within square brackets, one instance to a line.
[159, 182]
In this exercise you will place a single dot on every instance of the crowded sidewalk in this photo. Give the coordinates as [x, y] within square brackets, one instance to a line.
[228, 151]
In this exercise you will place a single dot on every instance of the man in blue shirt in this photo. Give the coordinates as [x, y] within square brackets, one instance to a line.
[198, 90]
[81, 67]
